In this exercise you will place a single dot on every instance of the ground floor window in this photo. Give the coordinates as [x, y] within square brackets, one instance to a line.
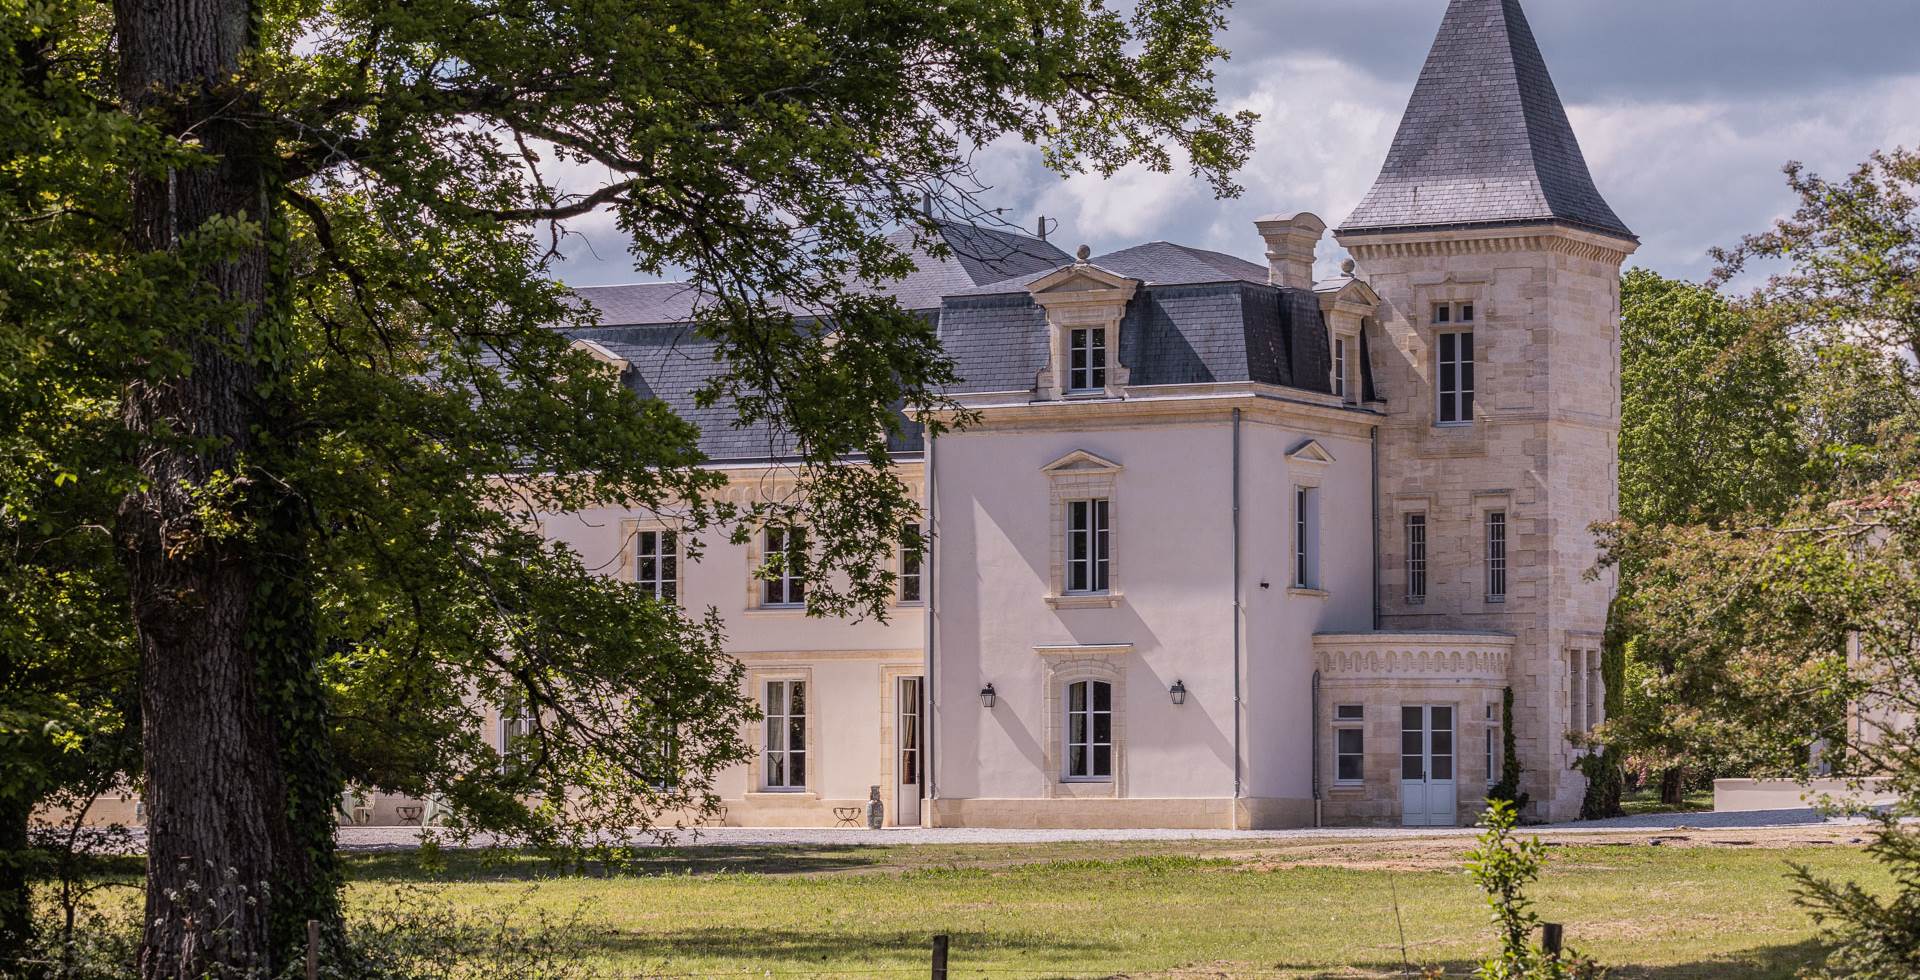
[1089, 731]
[786, 742]
[1493, 744]
[1349, 743]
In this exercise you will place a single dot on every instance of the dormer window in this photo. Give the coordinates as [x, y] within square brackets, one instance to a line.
[1341, 387]
[1087, 360]
[1084, 305]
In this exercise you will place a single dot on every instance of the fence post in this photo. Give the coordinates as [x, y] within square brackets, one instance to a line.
[1551, 936]
[313, 949]
[940, 957]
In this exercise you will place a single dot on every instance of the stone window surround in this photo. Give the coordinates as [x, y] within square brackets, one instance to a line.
[1340, 724]
[1403, 505]
[1585, 684]
[1100, 302]
[1343, 379]
[756, 585]
[1453, 290]
[1306, 470]
[630, 528]
[757, 678]
[900, 567]
[1484, 503]
[1065, 665]
[1081, 475]
[1495, 751]
[890, 736]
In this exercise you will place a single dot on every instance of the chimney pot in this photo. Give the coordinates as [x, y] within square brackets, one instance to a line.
[1291, 242]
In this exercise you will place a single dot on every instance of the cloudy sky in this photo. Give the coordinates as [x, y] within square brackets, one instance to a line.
[1686, 110]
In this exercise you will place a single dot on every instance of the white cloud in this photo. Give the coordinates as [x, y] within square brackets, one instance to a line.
[1690, 175]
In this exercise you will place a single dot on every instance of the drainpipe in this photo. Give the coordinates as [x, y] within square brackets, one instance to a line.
[1234, 817]
[928, 690]
[1313, 740]
[1374, 451]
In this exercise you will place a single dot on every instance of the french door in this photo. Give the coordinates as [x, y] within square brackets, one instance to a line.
[908, 760]
[1427, 766]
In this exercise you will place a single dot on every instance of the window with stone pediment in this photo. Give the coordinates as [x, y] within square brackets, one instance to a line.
[1082, 504]
[1084, 306]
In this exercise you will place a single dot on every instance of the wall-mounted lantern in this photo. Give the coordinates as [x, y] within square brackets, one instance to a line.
[987, 696]
[1178, 692]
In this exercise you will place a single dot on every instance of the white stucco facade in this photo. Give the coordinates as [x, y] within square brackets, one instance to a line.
[1229, 547]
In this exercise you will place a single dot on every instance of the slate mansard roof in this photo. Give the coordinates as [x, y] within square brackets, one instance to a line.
[648, 325]
[1198, 317]
[1485, 139]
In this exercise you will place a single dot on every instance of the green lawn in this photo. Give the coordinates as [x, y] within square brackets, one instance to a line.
[1647, 800]
[1187, 909]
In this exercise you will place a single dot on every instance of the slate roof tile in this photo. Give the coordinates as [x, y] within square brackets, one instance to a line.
[1485, 139]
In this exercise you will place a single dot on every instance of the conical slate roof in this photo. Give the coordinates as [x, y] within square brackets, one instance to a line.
[1485, 140]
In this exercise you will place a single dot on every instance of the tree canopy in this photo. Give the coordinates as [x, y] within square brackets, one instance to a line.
[299, 259]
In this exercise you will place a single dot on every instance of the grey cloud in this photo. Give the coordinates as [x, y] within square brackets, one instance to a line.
[1668, 49]
[1686, 110]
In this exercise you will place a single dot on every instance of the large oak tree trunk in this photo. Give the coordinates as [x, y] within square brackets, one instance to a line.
[214, 790]
[16, 919]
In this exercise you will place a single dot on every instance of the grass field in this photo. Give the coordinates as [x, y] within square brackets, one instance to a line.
[1219, 909]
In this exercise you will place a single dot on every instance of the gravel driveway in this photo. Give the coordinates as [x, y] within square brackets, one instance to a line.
[405, 838]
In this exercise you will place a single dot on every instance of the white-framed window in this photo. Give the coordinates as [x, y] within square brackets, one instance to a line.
[1586, 698]
[1086, 360]
[663, 759]
[912, 554]
[1306, 538]
[516, 734]
[784, 766]
[1089, 732]
[1349, 743]
[1089, 546]
[516, 728]
[1496, 556]
[1493, 744]
[656, 563]
[786, 584]
[1416, 527]
[1453, 367]
[1343, 386]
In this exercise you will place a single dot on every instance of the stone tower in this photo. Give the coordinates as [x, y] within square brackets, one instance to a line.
[1496, 352]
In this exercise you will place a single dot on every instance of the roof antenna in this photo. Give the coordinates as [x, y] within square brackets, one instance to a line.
[1042, 227]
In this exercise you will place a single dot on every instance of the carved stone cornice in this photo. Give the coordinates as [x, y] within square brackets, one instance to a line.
[1480, 657]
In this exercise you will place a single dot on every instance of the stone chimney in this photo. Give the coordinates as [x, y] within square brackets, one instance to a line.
[1290, 245]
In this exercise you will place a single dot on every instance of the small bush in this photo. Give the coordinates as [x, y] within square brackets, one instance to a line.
[1503, 866]
[1872, 938]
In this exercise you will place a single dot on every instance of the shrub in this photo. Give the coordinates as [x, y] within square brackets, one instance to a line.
[1503, 866]
[1871, 938]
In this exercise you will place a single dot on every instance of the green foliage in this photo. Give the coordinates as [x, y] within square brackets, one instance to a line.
[1708, 406]
[1503, 866]
[1604, 765]
[1871, 937]
[1853, 251]
[1507, 790]
[1805, 629]
[353, 393]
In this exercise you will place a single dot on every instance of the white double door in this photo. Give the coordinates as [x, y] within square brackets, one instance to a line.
[1427, 765]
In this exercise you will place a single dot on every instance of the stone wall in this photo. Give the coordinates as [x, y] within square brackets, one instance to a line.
[1541, 447]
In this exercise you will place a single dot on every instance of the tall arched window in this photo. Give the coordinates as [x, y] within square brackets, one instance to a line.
[1089, 731]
